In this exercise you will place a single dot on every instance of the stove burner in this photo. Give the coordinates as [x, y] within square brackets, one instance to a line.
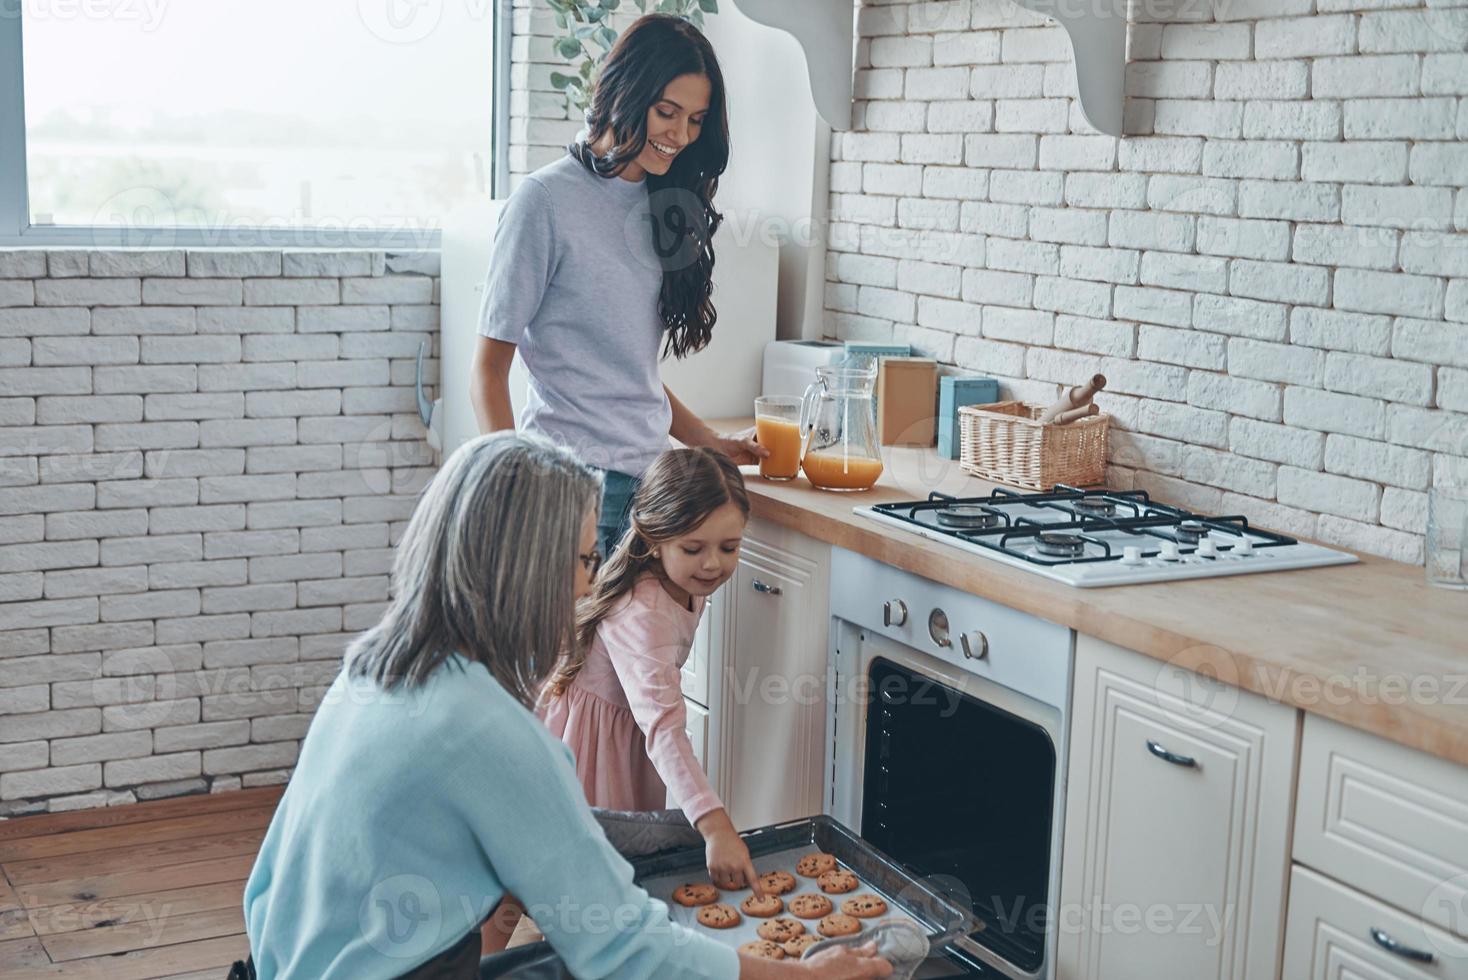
[1189, 532]
[1092, 507]
[1058, 544]
[966, 516]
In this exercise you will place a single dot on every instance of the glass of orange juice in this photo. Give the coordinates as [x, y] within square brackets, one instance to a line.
[777, 426]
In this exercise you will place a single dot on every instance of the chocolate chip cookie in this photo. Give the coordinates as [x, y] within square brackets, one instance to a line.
[864, 906]
[764, 949]
[781, 930]
[814, 864]
[691, 896]
[797, 946]
[777, 882]
[837, 882]
[838, 925]
[810, 905]
[719, 916]
[762, 907]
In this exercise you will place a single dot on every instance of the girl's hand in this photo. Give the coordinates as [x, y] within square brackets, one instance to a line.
[847, 963]
[728, 858]
[741, 447]
[729, 863]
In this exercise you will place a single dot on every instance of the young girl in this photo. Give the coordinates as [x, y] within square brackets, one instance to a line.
[617, 701]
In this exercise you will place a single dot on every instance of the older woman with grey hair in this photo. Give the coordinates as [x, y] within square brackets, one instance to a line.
[427, 791]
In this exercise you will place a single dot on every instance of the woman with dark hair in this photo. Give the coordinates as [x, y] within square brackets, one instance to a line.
[426, 790]
[604, 262]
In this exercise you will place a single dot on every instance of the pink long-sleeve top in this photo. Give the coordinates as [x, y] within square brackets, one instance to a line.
[623, 715]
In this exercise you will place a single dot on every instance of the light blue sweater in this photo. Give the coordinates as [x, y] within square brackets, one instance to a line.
[411, 813]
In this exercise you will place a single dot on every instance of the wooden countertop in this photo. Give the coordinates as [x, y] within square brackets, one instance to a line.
[1370, 645]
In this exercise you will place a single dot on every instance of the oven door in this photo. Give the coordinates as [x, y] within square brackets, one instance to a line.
[960, 779]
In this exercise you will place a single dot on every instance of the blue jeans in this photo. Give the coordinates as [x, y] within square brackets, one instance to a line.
[616, 509]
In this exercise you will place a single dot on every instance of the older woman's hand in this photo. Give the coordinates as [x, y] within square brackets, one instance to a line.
[847, 963]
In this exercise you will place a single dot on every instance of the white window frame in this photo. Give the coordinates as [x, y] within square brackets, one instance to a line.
[16, 230]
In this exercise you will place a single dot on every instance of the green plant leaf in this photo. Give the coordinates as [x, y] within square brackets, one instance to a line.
[709, 6]
[559, 81]
[595, 14]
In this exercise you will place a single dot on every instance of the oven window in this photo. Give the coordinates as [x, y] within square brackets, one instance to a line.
[958, 788]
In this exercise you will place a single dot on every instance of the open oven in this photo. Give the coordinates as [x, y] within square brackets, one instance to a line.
[947, 739]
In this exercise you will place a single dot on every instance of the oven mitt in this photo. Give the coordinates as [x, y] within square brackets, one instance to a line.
[900, 943]
[637, 834]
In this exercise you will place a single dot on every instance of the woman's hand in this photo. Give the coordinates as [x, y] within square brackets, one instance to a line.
[728, 858]
[741, 447]
[847, 963]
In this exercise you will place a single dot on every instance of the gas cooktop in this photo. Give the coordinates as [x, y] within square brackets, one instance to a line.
[1090, 538]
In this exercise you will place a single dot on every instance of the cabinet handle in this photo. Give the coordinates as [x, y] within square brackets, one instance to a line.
[1166, 756]
[1392, 946]
[765, 589]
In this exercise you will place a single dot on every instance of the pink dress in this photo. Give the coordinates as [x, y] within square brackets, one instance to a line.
[623, 714]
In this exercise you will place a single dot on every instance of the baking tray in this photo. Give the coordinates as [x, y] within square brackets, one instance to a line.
[778, 847]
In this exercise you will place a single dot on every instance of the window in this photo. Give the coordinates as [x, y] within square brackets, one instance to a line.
[359, 123]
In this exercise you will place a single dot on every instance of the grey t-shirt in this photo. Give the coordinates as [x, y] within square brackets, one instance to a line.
[574, 283]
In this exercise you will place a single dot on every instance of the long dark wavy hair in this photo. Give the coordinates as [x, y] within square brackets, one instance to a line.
[653, 51]
[678, 493]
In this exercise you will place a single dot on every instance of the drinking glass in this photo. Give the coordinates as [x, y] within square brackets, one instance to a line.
[1447, 537]
[777, 426]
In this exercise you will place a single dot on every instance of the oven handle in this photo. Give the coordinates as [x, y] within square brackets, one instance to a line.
[1166, 756]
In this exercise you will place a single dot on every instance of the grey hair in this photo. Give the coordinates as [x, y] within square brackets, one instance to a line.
[486, 567]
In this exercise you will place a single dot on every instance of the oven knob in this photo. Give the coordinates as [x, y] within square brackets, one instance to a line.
[1169, 551]
[1245, 548]
[894, 613]
[938, 628]
[975, 645]
[1206, 547]
[1131, 555]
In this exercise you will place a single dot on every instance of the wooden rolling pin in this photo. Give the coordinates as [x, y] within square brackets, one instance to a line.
[1077, 397]
[1066, 418]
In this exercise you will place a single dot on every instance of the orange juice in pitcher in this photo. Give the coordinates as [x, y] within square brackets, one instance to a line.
[831, 472]
[840, 418]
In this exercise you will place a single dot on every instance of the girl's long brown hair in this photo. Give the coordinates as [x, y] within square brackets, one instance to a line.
[680, 490]
[653, 51]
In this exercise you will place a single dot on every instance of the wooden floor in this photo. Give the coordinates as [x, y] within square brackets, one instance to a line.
[130, 892]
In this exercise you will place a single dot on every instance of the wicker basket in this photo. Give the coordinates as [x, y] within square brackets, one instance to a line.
[1002, 442]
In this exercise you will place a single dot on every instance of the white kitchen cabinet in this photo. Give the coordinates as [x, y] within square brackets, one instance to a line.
[1176, 849]
[767, 704]
[1387, 820]
[1336, 933]
[697, 728]
[695, 673]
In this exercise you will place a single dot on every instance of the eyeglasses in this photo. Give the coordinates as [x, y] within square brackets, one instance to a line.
[591, 561]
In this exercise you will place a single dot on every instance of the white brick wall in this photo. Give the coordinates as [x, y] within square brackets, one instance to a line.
[205, 459]
[1272, 267]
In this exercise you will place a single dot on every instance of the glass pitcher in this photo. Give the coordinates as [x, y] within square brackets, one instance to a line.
[839, 420]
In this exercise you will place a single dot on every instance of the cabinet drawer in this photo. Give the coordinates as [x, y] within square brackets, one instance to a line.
[1389, 821]
[1336, 932]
